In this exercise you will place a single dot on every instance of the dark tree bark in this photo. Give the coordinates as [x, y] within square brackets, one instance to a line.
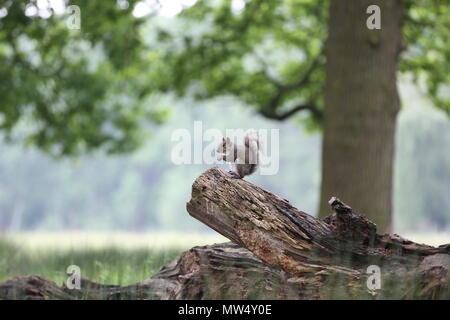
[278, 252]
[361, 105]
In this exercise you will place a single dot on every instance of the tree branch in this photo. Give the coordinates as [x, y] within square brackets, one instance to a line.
[273, 114]
[270, 109]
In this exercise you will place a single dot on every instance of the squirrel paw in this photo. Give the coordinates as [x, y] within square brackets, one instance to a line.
[234, 175]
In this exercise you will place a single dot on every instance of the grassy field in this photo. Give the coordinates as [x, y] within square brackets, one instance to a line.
[113, 258]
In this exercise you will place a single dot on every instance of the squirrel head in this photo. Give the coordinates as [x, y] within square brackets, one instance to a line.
[225, 146]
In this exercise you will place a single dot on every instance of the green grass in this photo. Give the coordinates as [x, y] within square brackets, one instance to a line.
[107, 265]
[122, 262]
[111, 258]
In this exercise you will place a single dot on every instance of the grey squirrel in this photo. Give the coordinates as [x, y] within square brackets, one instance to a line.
[243, 158]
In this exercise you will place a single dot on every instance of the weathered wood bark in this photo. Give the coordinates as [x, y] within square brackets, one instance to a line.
[278, 252]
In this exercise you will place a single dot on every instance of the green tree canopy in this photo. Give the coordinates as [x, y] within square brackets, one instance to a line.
[75, 90]
[80, 90]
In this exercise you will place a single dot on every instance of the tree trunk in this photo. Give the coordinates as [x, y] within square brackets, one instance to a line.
[278, 252]
[361, 104]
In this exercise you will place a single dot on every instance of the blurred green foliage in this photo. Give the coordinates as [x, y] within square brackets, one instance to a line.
[74, 90]
[427, 58]
[82, 90]
[271, 55]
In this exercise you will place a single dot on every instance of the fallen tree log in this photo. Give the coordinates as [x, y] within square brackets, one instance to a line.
[277, 252]
[339, 248]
